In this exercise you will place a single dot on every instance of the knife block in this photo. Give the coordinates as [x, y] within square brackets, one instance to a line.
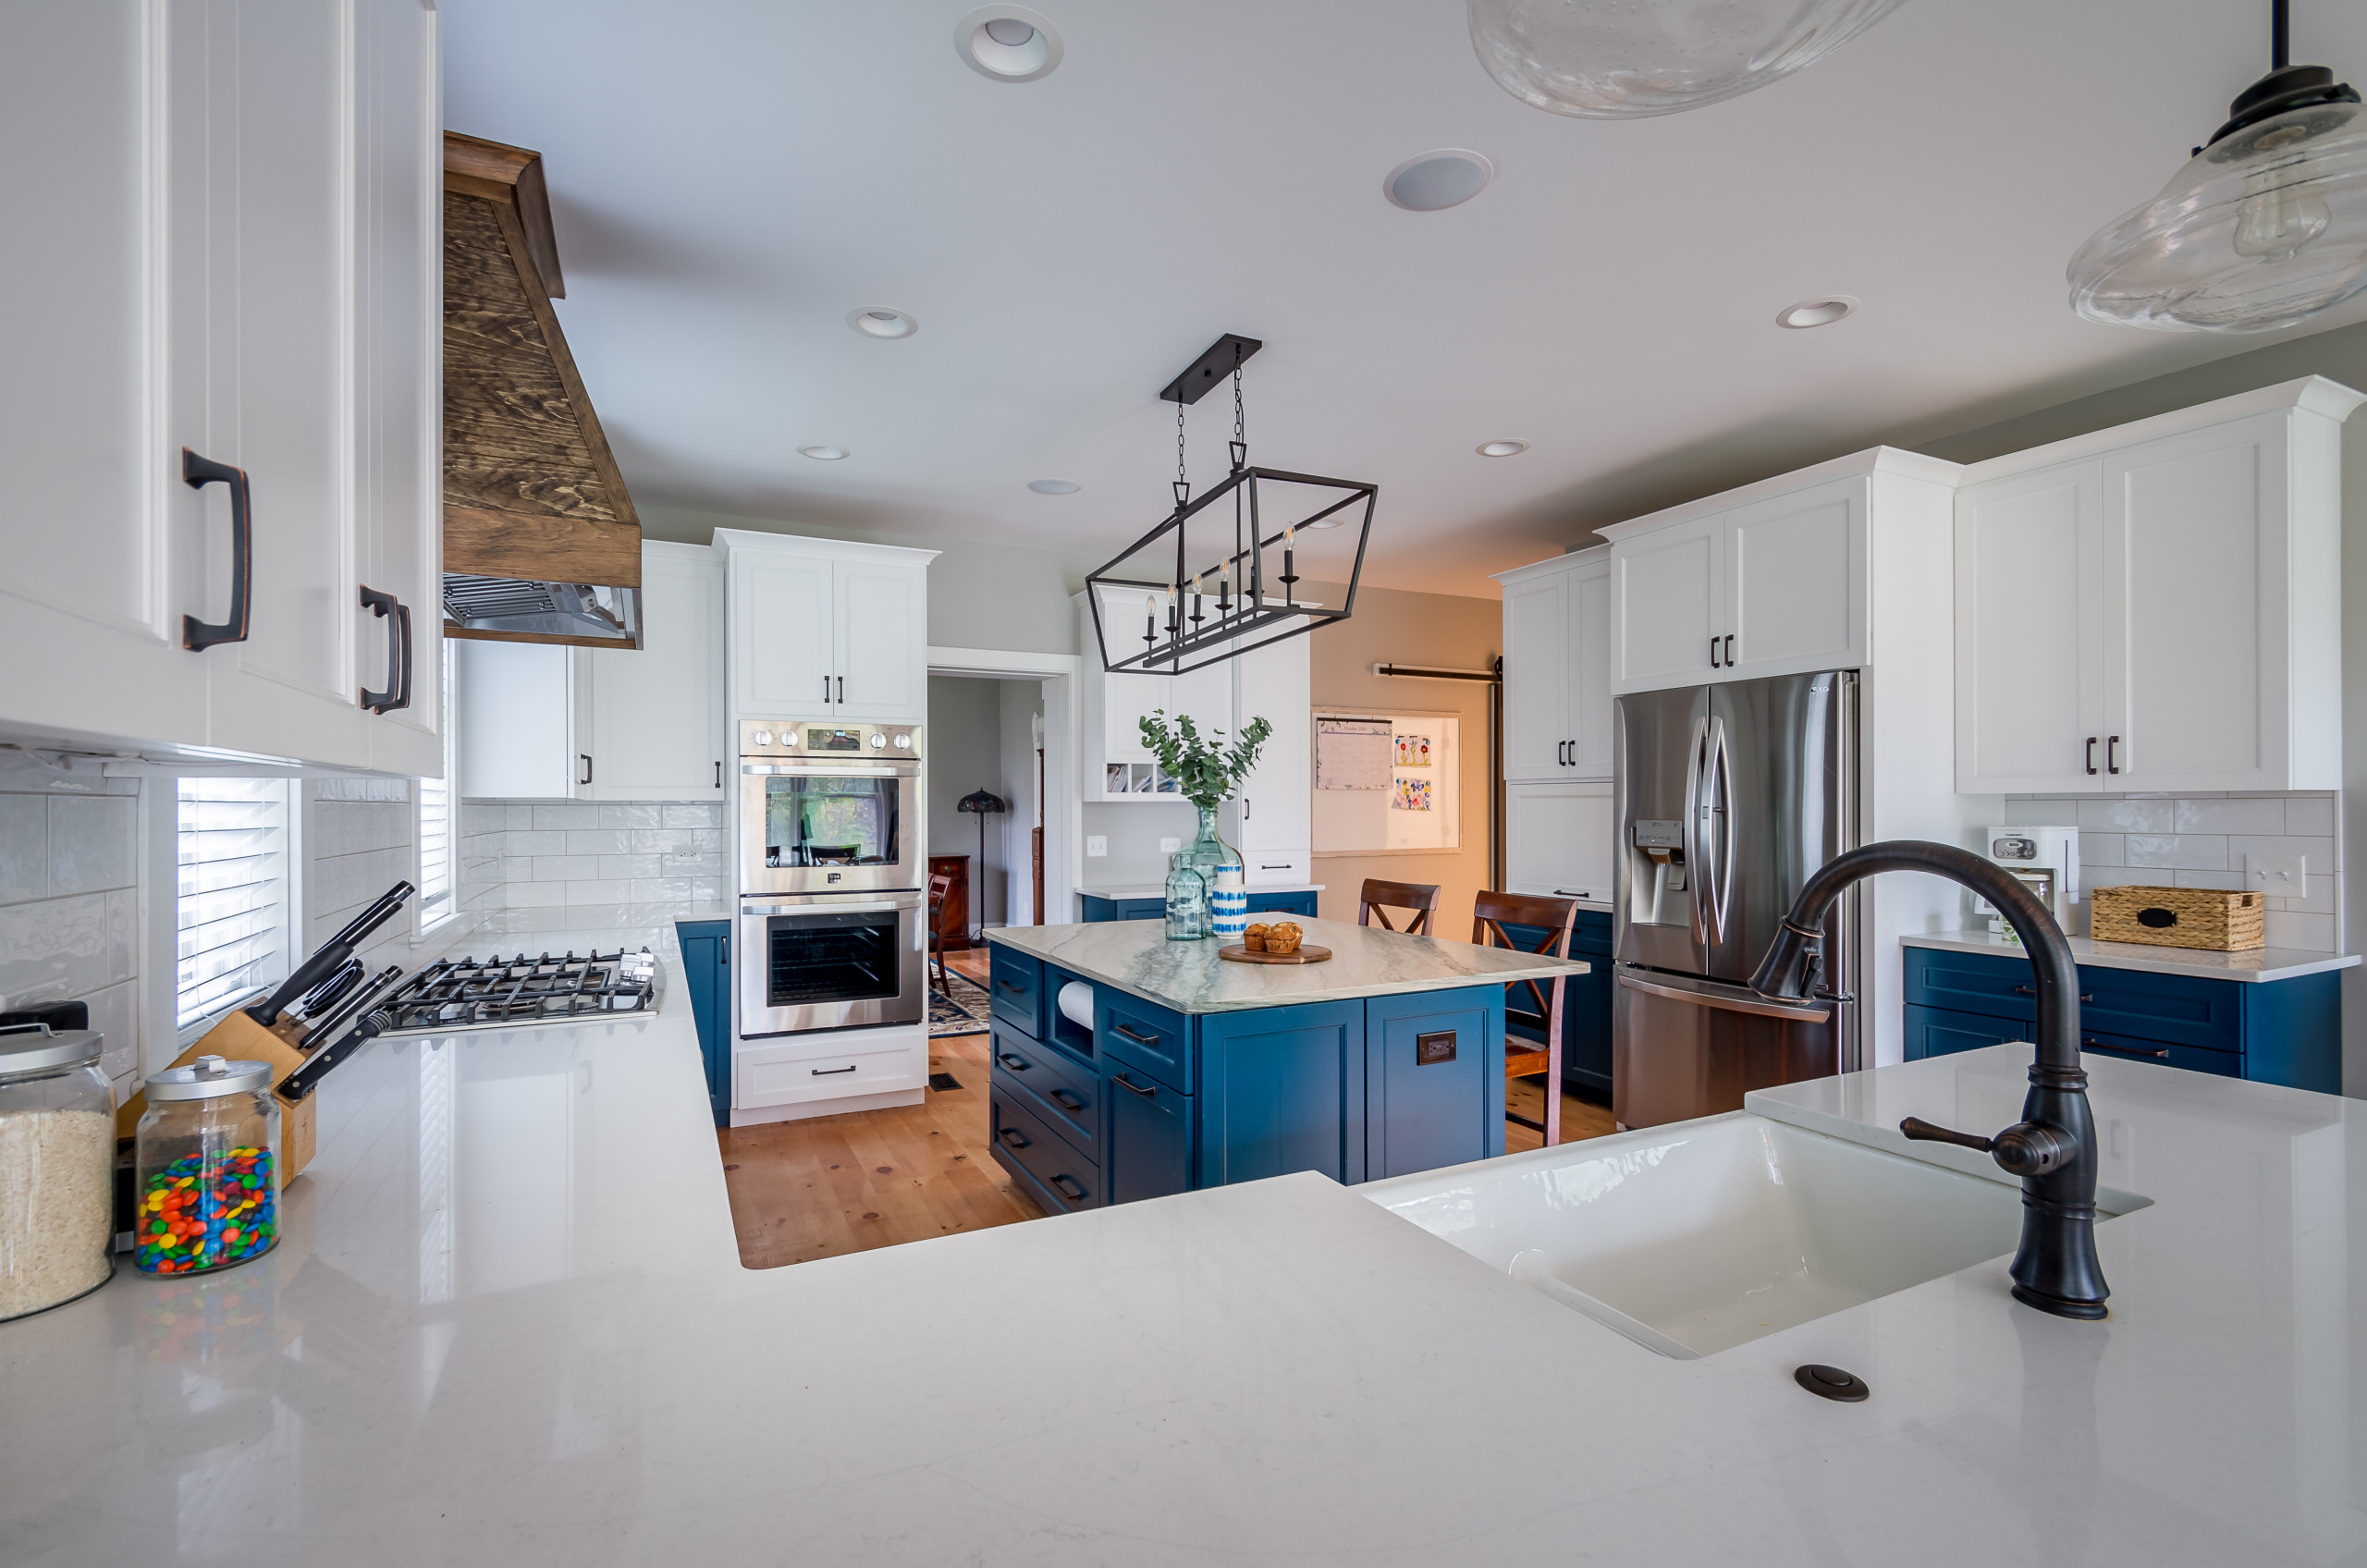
[239, 1038]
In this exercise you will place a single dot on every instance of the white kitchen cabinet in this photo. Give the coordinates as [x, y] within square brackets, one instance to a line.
[1271, 682]
[826, 629]
[1668, 593]
[1559, 839]
[1794, 582]
[1276, 816]
[252, 280]
[2157, 607]
[540, 722]
[1557, 668]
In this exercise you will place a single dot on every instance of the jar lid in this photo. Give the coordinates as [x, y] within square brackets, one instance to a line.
[29, 1047]
[208, 1078]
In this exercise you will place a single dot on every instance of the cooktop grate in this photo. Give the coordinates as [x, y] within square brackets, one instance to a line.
[493, 993]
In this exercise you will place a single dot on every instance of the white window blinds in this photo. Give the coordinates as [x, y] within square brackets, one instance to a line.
[233, 895]
[438, 827]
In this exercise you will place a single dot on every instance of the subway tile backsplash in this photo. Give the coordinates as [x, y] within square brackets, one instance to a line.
[538, 866]
[69, 902]
[2200, 841]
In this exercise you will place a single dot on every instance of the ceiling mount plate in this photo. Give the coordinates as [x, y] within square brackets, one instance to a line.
[1211, 369]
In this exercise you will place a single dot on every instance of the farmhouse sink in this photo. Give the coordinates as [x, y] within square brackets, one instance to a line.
[1699, 1236]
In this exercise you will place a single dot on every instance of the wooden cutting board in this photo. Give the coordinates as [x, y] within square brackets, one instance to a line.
[1307, 953]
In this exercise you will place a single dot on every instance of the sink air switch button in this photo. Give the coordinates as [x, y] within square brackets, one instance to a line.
[1831, 1383]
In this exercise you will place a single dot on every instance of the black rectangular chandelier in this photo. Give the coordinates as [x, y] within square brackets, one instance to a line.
[1218, 577]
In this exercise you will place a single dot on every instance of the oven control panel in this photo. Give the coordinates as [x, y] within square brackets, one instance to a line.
[829, 738]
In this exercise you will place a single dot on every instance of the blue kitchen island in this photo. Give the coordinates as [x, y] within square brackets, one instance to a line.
[1170, 1069]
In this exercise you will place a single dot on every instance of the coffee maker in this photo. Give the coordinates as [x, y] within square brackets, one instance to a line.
[2045, 860]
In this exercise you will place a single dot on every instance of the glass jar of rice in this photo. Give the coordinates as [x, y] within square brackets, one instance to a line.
[57, 1168]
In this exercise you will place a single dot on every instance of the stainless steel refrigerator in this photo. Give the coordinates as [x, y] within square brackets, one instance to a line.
[1728, 798]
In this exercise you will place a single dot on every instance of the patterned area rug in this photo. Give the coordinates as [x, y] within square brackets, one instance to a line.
[963, 1012]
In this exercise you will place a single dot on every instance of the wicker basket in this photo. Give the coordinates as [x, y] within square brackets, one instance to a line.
[2179, 918]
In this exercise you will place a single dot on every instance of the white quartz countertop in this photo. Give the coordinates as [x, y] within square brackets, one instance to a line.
[1159, 890]
[1136, 957]
[2255, 963]
[508, 1329]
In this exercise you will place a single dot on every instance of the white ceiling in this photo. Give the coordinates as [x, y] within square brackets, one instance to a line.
[730, 178]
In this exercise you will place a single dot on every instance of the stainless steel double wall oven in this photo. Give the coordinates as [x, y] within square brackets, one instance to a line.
[833, 918]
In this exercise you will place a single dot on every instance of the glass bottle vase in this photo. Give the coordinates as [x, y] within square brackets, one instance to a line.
[1187, 902]
[1206, 855]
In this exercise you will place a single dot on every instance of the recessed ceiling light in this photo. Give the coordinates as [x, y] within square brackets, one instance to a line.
[1821, 312]
[878, 321]
[1007, 43]
[1503, 448]
[825, 454]
[1053, 486]
[1430, 182]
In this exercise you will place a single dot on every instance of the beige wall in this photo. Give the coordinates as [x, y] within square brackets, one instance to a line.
[1392, 626]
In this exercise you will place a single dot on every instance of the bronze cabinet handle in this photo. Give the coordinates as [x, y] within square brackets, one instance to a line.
[1125, 1082]
[197, 473]
[1013, 1138]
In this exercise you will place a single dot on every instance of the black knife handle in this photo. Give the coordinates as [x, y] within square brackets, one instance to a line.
[307, 1078]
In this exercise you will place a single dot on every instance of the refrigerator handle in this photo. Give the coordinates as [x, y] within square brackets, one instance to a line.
[1722, 800]
[1695, 864]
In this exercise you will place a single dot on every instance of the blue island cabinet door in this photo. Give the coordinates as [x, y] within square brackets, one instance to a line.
[1434, 1080]
[1281, 1089]
[1149, 1153]
[706, 964]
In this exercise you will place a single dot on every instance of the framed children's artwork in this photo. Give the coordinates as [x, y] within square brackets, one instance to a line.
[1414, 750]
[1412, 794]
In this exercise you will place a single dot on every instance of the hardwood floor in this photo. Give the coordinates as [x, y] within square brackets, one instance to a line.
[803, 1190]
[970, 963]
[1580, 1119]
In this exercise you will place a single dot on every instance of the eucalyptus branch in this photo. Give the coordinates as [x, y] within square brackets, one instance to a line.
[1207, 770]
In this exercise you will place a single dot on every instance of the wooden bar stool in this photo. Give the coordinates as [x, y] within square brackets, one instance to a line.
[1491, 913]
[1378, 898]
[939, 884]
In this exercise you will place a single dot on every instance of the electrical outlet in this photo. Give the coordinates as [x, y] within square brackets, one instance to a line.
[1169, 846]
[1096, 845]
[2288, 874]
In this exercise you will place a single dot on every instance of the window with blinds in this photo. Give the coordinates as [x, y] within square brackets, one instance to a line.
[233, 897]
[438, 823]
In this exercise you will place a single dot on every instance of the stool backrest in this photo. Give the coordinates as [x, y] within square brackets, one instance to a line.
[1378, 898]
[1490, 912]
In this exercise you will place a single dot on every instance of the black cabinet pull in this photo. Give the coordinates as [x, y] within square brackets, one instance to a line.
[2028, 991]
[2162, 1055]
[1013, 1138]
[1010, 985]
[1138, 1039]
[586, 759]
[398, 618]
[1016, 1063]
[1713, 653]
[2111, 754]
[1125, 1082]
[825, 688]
[197, 473]
[1730, 650]
[827, 1072]
[726, 960]
[2089, 762]
[1066, 1101]
[842, 689]
[1069, 1188]
[719, 775]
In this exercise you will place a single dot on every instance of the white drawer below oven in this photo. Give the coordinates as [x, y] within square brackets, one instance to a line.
[794, 1069]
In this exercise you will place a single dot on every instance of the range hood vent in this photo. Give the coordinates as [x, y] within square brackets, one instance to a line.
[541, 542]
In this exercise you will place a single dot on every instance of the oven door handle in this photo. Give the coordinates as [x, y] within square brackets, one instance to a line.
[834, 770]
[837, 906]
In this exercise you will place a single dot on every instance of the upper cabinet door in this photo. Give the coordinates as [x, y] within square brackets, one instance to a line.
[1795, 587]
[99, 536]
[1559, 839]
[881, 642]
[2029, 641]
[279, 266]
[658, 712]
[398, 328]
[1668, 594]
[1589, 667]
[1538, 656]
[1275, 683]
[780, 618]
[2197, 611]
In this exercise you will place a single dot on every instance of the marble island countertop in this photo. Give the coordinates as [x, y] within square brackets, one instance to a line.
[2252, 964]
[1159, 890]
[1136, 957]
[508, 1329]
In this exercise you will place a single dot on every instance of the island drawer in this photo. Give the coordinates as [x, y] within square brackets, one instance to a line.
[1050, 1084]
[1156, 1040]
[1017, 981]
[1063, 1176]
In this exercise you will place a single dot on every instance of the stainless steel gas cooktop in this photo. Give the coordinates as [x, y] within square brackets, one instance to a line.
[496, 993]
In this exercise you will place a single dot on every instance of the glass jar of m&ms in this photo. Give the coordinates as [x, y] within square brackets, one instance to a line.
[206, 1192]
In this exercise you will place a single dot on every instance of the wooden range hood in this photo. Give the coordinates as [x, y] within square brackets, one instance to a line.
[541, 542]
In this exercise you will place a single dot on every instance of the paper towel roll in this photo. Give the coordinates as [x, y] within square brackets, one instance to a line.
[1077, 1003]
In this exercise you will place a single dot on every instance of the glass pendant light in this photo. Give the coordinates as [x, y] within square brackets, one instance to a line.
[1624, 60]
[2263, 227]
